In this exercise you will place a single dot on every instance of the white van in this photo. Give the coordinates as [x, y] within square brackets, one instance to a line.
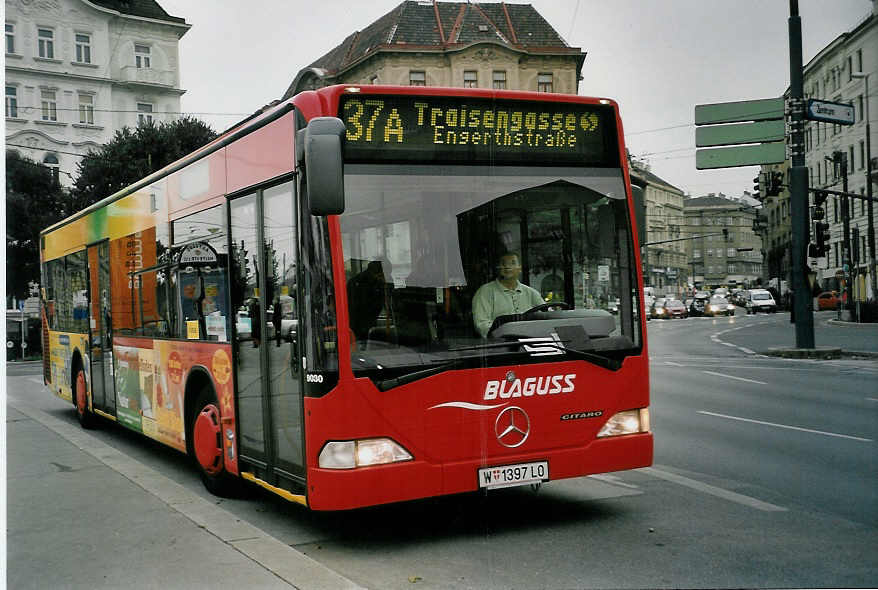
[760, 300]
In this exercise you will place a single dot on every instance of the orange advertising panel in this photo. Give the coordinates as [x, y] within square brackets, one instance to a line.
[150, 388]
[129, 254]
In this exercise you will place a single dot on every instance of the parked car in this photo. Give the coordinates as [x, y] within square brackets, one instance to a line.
[674, 308]
[719, 306]
[827, 300]
[760, 300]
[613, 306]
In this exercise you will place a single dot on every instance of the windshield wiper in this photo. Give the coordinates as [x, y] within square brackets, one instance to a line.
[415, 375]
[601, 361]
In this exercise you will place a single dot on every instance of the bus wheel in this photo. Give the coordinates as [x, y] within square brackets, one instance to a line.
[207, 446]
[80, 399]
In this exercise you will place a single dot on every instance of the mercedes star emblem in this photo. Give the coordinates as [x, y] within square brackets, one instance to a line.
[512, 427]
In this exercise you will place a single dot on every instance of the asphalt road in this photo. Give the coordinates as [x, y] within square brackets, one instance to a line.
[765, 476]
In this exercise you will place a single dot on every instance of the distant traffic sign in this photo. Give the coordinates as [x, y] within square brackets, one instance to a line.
[830, 112]
[742, 155]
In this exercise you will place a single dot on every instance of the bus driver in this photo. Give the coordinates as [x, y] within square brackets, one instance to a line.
[503, 296]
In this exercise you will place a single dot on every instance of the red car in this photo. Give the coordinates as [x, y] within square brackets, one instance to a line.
[674, 308]
[827, 300]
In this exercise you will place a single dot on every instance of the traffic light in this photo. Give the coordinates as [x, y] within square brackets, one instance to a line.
[819, 212]
[774, 184]
[757, 186]
[821, 237]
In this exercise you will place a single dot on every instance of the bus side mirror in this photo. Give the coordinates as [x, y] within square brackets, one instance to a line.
[324, 173]
[639, 212]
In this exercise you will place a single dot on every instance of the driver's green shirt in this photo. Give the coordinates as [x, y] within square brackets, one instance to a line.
[493, 300]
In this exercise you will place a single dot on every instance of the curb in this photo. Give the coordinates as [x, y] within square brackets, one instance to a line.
[288, 564]
[845, 324]
[817, 353]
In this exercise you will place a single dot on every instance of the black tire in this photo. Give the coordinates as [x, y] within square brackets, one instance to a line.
[80, 401]
[205, 445]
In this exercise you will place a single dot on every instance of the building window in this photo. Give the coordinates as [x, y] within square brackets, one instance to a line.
[83, 48]
[46, 43]
[470, 79]
[417, 78]
[862, 155]
[709, 253]
[48, 105]
[731, 269]
[86, 109]
[544, 83]
[50, 161]
[10, 38]
[850, 68]
[730, 252]
[142, 56]
[144, 113]
[860, 108]
[859, 60]
[11, 101]
[696, 253]
[498, 80]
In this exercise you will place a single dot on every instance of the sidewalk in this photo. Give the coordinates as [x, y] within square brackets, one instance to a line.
[81, 514]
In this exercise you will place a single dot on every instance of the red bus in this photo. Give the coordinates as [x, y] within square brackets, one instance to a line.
[367, 295]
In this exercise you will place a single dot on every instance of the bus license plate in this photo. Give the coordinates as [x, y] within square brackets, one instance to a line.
[505, 476]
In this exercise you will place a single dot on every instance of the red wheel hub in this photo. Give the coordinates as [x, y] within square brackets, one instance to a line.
[81, 394]
[207, 439]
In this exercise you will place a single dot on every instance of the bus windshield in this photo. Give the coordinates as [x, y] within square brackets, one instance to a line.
[420, 241]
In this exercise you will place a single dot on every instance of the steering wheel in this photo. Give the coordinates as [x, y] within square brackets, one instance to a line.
[546, 306]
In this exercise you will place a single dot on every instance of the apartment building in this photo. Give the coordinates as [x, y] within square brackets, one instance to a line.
[78, 70]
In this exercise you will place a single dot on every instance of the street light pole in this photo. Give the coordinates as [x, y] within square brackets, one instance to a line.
[870, 229]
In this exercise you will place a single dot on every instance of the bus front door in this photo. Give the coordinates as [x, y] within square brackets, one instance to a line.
[269, 390]
[101, 350]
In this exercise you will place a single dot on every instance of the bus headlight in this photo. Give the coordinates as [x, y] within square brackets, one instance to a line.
[351, 454]
[627, 422]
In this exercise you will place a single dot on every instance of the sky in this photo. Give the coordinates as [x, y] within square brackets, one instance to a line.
[656, 58]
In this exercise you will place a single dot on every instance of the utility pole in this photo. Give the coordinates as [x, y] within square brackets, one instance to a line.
[799, 186]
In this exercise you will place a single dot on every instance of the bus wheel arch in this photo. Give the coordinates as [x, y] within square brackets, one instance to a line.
[79, 387]
[204, 442]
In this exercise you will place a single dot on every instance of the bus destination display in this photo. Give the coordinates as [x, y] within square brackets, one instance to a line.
[462, 129]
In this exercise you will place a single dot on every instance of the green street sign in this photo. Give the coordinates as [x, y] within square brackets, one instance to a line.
[764, 109]
[743, 155]
[739, 133]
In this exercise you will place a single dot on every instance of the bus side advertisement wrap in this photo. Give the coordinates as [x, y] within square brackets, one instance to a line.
[474, 130]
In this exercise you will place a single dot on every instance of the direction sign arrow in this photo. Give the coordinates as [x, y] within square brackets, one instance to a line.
[830, 112]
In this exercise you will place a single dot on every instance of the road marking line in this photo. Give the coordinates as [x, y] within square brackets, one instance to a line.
[712, 490]
[673, 364]
[733, 377]
[824, 433]
[872, 399]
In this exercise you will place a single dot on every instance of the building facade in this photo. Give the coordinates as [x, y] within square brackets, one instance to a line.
[845, 71]
[665, 264]
[727, 251]
[78, 70]
[463, 44]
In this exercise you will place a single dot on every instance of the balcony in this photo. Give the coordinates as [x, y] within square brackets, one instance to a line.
[147, 76]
